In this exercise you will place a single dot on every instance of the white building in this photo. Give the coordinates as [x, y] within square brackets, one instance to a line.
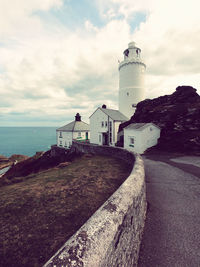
[131, 80]
[104, 124]
[140, 136]
[77, 130]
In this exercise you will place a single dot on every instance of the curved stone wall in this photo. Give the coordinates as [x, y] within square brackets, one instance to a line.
[112, 235]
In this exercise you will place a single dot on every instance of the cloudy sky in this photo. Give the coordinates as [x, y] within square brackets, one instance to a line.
[59, 57]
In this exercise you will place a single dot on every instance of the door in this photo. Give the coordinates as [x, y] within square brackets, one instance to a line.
[105, 139]
[86, 135]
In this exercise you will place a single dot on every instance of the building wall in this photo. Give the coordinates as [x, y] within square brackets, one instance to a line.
[80, 135]
[150, 135]
[112, 236]
[131, 86]
[97, 130]
[117, 123]
[143, 139]
[65, 140]
[138, 145]
[67, 137]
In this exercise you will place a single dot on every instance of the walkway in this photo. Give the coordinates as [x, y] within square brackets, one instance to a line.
[172, 231]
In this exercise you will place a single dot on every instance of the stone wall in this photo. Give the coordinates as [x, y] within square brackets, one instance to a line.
[111, 237]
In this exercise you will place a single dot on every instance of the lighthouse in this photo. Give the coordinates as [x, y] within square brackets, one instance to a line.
[131, 80]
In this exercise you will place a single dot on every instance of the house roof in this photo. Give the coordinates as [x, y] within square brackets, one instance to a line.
[75, 126]
[115, 115]
[140, 126]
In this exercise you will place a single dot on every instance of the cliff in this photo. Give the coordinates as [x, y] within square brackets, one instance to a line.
[5, 162]
[178, 116]
[39, 162]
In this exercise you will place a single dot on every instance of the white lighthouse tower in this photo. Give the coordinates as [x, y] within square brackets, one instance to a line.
[131, 80]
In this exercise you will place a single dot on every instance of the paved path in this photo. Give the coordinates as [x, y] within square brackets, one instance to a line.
[172, 231]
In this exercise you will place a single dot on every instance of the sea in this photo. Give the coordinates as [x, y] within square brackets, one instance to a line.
[26, 140]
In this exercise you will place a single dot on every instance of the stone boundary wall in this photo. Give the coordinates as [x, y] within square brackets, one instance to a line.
[111, 237]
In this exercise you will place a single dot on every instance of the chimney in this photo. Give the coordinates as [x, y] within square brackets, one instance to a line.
[103, 106]
[77, 117]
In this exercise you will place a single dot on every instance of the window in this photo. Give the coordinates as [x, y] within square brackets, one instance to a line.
[79, 134]
[100, 138]
[60, 134]
[102, 124]
[110, 131]
[127, 93]
[151, 129]
[131, 142]
[106, 123]
[60, 143]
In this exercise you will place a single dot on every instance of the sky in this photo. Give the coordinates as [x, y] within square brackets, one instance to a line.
[60, 57]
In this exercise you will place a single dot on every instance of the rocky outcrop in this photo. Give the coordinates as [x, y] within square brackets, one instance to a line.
[178, 116]
[5, 162]
[39, 162]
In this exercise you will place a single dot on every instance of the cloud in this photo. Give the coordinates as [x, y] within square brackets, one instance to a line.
[49, 70]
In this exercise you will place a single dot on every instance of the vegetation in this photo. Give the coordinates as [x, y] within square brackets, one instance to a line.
[40, 212]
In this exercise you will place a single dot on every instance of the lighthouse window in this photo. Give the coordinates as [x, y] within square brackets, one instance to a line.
[126, 52]
[127, 94]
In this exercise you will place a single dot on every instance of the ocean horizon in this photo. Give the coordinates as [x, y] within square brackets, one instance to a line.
[26, 140]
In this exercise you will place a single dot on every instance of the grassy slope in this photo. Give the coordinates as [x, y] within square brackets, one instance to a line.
[40, 213]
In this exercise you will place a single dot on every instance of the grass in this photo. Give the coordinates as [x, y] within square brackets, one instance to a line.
[38, 214]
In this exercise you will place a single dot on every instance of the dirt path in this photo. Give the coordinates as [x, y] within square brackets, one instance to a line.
[171, 236]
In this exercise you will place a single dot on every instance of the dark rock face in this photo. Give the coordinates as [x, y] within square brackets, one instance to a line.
[178, 116]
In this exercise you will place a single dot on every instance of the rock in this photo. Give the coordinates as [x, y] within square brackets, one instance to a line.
[178, 116]
[18, 158]
[4, 162]
[63, 164]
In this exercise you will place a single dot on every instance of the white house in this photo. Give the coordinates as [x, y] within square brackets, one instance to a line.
[104, 124]
[77, 130]
[140, 136]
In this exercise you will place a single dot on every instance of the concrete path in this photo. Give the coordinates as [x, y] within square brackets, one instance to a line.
[172, 231]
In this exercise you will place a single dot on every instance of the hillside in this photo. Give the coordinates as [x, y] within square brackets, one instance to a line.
[178, 116]
[27, 165]
[40, 212]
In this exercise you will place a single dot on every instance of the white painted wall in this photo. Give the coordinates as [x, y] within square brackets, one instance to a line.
[97, 130]
[143, 139]
[116, 127]
[80, 135]
[66, 138]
